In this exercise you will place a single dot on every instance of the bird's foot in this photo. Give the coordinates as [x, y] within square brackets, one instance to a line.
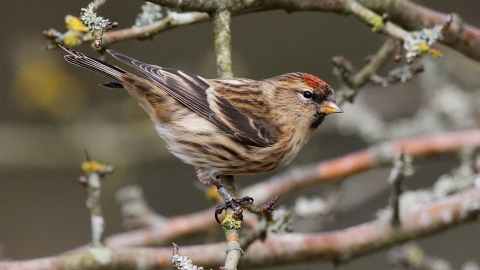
[235, 204]
[230, 202]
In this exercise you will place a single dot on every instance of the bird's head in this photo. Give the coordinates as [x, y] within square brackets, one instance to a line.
[309, 96]
[319, 95]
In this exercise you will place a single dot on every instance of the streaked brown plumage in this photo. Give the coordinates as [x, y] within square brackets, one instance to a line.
[223, 126]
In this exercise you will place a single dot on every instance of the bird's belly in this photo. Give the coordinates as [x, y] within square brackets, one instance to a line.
[211, 148]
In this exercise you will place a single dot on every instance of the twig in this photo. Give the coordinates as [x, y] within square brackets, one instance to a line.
[260, 232]
[95, 171]
[356, 81]
[374, 64]
[171, 21]
[278, 222]
[378, 23]
[338, 245]
[395, 201]
[402, 167]
[96, 24]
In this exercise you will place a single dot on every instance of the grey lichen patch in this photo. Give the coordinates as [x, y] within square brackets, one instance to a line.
[150, 13]
[182, 262]
[420, 42]
[91, 20]
[403, 73]
[310, 207]
[281, 221]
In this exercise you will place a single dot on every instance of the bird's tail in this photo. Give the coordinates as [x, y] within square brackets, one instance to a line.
[96, 66]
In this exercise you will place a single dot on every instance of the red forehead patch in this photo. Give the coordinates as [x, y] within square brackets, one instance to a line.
[313, 81]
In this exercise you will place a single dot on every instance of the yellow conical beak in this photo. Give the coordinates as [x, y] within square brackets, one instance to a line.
[329, 107]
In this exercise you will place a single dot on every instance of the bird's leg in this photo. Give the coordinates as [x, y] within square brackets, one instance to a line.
[226, 190]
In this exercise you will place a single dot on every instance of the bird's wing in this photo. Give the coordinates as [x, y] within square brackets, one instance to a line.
[196, 93]
[243, 107]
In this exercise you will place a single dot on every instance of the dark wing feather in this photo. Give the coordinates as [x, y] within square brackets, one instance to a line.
[112, 85]
[188, 90]
[197, 94]
[244, 124]
[93, 64]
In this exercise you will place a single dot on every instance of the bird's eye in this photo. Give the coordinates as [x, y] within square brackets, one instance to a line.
[307, 94]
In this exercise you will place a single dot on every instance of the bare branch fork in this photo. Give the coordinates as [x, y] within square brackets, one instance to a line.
[299, 178]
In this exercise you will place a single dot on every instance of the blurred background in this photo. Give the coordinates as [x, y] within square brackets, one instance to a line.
[51, 110]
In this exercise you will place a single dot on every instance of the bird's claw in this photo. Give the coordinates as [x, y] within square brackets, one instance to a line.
[235, 204]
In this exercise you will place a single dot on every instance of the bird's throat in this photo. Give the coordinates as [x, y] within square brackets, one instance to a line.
[316, 120]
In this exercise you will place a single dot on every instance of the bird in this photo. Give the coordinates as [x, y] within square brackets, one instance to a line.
[225, 126]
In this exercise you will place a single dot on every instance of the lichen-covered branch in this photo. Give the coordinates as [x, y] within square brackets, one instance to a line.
[459, 36]
[96, 24]
[341, 245]
[231, 226]
[223, 47]
[402, 167]
[95, 171]
[171, 21]
[335, 170]
[295, 179]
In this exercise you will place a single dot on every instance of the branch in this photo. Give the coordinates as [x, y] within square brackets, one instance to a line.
[344, 69]
[223, 48]
[171, 21]
[233, 220]
[329, 171]
[231, 226]
[338, 245]
[335, 170]
[402, 167]
[374, 64]
[459, 36]
[95, 171]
